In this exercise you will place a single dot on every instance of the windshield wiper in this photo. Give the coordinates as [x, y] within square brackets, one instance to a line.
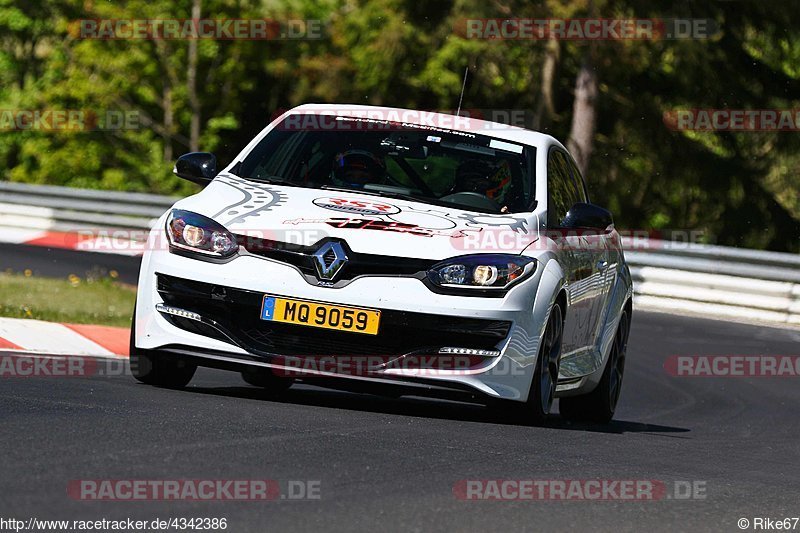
[274, 180]
[384, 194]
[408, 197]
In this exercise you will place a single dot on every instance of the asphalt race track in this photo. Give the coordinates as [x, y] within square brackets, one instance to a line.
[60, 263]
[391, 464]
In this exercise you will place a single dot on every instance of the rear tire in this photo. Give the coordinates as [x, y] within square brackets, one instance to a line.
[600, 404]
[158, 369]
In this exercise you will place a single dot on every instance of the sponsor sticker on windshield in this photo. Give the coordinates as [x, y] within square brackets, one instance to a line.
[508, 147]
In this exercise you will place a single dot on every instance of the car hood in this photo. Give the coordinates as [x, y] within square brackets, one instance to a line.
[369, 224]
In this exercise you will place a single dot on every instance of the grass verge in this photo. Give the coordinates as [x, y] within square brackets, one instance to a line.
[79, 301]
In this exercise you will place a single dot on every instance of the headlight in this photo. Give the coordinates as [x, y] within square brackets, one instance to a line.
[196, 233]
[484, 271]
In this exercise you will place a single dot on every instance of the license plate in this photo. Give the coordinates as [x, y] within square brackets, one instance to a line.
[319, 315]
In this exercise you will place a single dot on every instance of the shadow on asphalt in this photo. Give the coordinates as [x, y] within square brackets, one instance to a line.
[425, 408]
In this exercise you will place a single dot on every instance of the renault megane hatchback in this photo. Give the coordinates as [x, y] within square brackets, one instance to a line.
[394, 252]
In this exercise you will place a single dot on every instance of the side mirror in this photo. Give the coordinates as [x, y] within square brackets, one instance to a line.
[589, 216]
[198, 167]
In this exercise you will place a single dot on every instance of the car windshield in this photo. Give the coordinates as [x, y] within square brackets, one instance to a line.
[423, 163]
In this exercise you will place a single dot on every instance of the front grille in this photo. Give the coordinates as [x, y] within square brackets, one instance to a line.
[358, 264]
[237, 313]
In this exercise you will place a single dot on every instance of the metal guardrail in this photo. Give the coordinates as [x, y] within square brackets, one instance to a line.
[70, 209]
[715, 281]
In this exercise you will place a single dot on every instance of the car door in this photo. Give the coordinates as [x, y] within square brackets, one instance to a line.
[571, 252]
[597, 259]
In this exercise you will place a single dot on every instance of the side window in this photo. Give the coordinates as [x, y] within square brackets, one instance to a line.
[579, 182]
[562, 191]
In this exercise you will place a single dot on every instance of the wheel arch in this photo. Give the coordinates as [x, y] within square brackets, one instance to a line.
[551, 290]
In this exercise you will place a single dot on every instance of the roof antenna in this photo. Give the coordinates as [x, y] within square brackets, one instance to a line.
[463, 85]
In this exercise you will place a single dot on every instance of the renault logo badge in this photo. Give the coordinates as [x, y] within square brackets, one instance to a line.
[329, 260]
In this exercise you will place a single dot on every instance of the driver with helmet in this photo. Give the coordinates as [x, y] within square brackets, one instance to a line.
[356, 168]
[491, 180]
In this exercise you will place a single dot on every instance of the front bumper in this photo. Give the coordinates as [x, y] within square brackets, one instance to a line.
[415, 322]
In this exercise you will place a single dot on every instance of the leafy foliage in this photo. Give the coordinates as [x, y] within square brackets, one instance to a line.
[739, 188]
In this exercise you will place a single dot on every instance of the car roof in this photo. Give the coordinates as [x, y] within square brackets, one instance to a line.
[421, 117]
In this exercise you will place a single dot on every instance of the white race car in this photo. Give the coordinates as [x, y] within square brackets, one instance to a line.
[393, 252]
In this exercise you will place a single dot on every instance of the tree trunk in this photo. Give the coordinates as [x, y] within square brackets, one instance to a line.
[166, 128]
[191, 84]
[168, 120]
[584, 116]
[545, 105]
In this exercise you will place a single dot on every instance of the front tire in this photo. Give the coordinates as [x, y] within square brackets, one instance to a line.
[545, 379]
[600, 404]
[158, 369]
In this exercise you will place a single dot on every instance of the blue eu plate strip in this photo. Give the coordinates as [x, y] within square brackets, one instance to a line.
[268, 308]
